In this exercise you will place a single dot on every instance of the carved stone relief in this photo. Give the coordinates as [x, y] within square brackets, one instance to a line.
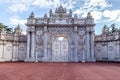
[39, 38]
[22, 48]
[111, 48]
[59, 29]
[9, 48]
[81, 39]
[99, 49]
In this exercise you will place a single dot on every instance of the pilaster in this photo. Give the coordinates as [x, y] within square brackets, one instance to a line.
[28, 47]
[2, 59]
[75, 59]
[30, 44]
[92, 46]
[15, 51]
[45, 44]
[88, 44]
[33, 47]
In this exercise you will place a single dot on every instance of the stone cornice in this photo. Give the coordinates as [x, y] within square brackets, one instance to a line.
[79, 25]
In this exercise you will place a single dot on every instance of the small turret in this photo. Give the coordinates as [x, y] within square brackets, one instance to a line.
[32, 15]
[75, 16]
[18, 30]
[2, 34]
[50, 12]
[70, 12]
[89, 15]
[60, 9]
[45, 16]
[105, 29]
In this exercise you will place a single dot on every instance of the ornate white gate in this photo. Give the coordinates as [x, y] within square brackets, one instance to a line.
[60, 50]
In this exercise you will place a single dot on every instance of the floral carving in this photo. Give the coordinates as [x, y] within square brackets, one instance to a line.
[39, 39]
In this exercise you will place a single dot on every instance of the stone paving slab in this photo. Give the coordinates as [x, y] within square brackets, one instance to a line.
[60, 71]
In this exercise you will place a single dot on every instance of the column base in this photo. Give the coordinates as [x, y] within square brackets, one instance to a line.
[83, 61]
[45, 59]
[2, 59]
[118, 60]
[29, 60]
[75, 60]
[14, 59]
[91, 60]
[36, 60]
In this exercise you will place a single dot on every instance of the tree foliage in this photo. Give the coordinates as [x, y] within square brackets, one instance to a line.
[113, 28]
[5, 28]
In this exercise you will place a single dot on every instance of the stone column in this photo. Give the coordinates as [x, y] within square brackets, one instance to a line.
[76, 45]
[92, 47]
[88, 45]
[106, 52]
[28, 47]
[83, 54]
[4, 48]
[15, 51]
[118, 50]
[2, 59]
[45, 44]
[33, 47]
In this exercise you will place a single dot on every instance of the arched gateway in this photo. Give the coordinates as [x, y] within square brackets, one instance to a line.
[60, 48]
[60, 37]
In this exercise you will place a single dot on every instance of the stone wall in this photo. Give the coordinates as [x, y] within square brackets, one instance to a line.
[107, 45]
[12, 46]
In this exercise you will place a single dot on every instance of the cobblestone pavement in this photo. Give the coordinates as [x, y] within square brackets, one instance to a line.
[59, 71]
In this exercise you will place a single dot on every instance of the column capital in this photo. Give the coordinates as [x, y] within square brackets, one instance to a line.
[31, 29]
[75, 28]
[15, 43]
[88, 29]
[45, 28]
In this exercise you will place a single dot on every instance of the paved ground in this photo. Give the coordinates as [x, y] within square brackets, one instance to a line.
[59, 71]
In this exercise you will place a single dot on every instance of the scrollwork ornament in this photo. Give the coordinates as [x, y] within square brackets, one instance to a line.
[39, 39]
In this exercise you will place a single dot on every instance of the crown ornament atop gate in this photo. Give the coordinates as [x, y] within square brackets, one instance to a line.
[62, 17]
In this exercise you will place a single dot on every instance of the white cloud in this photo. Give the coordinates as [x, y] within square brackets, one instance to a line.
[97, 15]
[97, 3]
[19, 5]
[42, 3]
[111, 15]
[96, 7]
[78, 11]
[118, 19]
[54, 3]
[15, 20]
[4, 1]
[69, 4]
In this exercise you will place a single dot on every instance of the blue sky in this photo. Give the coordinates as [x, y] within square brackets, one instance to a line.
[14, 12]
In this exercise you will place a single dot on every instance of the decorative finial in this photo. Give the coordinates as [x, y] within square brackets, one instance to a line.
[50, 12]
[45, 16]
[75, 16]
[89, 15]
[70, 13]
[32, 15]
[18, 29]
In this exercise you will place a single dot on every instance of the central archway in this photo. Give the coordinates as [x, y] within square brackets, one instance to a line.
[60, 49]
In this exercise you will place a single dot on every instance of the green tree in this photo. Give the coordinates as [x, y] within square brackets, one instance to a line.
[6, 28]
[113, 28]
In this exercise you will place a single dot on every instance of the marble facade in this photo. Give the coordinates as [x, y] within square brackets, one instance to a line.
[43, 37]
[60, 37]
[107, 45]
